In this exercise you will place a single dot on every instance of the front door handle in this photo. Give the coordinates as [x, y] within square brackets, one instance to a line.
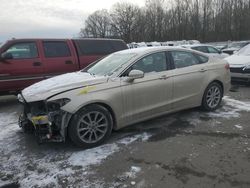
[203, 70]
[36, 64]
[68, 62]
[163, 77]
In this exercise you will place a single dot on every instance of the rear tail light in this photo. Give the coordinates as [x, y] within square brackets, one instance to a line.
[227, 66]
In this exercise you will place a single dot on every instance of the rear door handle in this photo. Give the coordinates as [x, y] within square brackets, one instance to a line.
[4, 74]
[163, 77]
[203, 70]
[68, 62]
[36, 64]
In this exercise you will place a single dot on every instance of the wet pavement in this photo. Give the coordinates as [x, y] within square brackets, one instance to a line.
[191, 148]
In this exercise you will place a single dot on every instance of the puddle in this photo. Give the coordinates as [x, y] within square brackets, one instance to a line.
[175, 128]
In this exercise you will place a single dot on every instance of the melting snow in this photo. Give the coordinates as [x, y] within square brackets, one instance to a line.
[48, 167]
[230, 109]
[8, 125]
[133, 171]
[239, 127]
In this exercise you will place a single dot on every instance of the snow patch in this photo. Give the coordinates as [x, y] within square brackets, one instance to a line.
[129, 140]
[47, 167]
[83, 159]
[239, 127]
[96, 155]
[133, 171]
[240, 105]
[92, 156]
[8, 125]
[230, 109]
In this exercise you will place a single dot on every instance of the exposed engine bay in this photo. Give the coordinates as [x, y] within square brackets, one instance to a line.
[45, 119]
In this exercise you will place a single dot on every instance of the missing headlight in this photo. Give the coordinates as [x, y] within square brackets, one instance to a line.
[57, 104]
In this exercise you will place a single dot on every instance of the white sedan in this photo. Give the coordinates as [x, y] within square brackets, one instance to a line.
[240, 64]
[207, 49]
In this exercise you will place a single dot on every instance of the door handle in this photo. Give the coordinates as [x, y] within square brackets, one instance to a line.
[36, 64]
[4, 74]
[163, 77]
[68, 62]
[203, 70]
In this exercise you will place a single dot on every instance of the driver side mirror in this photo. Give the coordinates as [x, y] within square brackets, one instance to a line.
[135, 74]
[6, 55]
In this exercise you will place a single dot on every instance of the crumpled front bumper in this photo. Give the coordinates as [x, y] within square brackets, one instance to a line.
[48, 126]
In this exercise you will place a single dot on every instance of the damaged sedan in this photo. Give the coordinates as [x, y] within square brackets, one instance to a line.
[121, 89]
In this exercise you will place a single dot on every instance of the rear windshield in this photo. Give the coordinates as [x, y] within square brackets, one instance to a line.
[99, 47]
[237, 45]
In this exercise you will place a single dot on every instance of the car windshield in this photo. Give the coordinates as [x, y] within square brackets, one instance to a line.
[110, 64]
[245, 50]
[236, 45]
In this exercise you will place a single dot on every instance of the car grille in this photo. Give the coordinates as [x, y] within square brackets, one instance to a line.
[230, 52]
[239, 70]
[235, 79]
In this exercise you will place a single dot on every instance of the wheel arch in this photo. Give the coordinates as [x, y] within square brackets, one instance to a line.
[106, 106]
[213, 81]
[220, 83]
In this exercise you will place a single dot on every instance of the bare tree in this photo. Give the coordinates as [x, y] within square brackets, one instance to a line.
[97, 24]
[123, 20]
[162, 20]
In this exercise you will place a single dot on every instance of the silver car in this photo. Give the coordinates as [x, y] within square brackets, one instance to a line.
[121, 89]
[208, 49]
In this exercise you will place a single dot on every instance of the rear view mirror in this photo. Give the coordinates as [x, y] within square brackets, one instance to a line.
[135, 74]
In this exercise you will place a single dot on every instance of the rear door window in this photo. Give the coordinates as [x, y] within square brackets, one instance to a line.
[201, 49]
[25, 50]
[118, 45]
[212, 50]
[94, 47]
[56, 49]
[184, 59]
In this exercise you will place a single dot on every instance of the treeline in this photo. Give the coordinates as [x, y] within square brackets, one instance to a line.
[165, 20]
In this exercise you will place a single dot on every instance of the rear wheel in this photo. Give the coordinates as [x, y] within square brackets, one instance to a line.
[90, 126]
[212, 97]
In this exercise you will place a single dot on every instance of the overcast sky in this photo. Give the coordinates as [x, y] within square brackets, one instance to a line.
[48, 18]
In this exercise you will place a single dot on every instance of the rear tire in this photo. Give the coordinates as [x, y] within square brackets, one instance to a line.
[90, 126]
[212, 97]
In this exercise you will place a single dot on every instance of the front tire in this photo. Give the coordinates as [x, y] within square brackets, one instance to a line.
[90, 126]
[212, 97]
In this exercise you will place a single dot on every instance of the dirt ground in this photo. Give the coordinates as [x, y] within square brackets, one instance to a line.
[191, 148]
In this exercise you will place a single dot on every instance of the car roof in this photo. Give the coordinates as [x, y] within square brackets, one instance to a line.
[196, 45]
[144, 50]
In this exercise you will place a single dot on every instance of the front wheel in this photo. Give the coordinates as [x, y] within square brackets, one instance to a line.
[90, 126]
[212, 97]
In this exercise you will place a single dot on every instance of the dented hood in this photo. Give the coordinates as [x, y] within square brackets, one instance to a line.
[50, 87]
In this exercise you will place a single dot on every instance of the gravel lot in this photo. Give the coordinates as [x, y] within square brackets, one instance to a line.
[186, 149]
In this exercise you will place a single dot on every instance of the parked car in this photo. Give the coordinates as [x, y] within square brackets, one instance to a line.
[26, 61]
[208, 49]
[240, 64]
[123, 88]
[150, 44]
[235, 46]
[136, 45]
